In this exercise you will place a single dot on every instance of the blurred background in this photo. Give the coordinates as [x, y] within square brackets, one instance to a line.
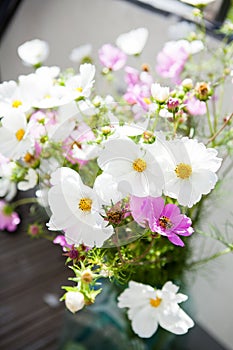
[66, 24]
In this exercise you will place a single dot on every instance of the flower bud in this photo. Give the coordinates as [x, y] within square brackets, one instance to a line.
[74, 301]
[187, 84]
[173, 105]
[87, 276]
[203, 91]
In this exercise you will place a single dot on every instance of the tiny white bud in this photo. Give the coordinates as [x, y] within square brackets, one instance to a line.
[74, 301]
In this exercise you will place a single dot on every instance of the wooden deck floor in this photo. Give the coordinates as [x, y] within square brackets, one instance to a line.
[31, 270]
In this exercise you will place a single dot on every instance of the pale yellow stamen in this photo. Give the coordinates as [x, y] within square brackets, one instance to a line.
[47, 96]
[139, 165]
[16, 103]
[184, 171]
[147, 100]
[155, 302]
[85, 204]
[19, 134]
[79, 89]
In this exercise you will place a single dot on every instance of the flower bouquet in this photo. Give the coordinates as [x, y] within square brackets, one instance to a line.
[124, 176]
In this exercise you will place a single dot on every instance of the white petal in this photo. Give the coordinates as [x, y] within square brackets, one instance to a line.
[144, 324]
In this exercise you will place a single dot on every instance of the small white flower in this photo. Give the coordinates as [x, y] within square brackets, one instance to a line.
[76, 210]
[29, 182]
[14, 136]
[189, 169]
[159, 93]
[133, 42]
[74, 301]
[149, 307]
[164, 113]
[134, 168]
[81, 84]
[33, 52]
[197, 2]
[78, 53]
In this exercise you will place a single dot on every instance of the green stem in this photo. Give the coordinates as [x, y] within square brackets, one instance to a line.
[212, 257]
[209, 119]
[24, 201]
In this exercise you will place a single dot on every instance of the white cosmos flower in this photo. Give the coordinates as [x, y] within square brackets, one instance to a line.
[78, 53]
[76, 210]
[33, 52]
[189, 169]
[134, 168]
[11, 97]
[74, 301]
[14, 135]
[133, 42]
[29, 182]
[159, 93]
[81, 84]
[197, 2]
[149, 307]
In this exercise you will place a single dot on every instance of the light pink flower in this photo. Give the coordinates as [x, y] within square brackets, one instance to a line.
[8, 218]
[171, 60]
[112, 57]
[195, 106]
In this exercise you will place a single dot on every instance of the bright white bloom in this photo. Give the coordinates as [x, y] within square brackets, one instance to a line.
[11, 97]
[189, 169]
[133, 42]
[74, 301]
[14, 136]
[197, 2]
[164, 113]
[159, 93]
[33, 52]
[29, 182]
[149, 307]
[78, 53]
[134, 168]
[76, 210]
[107, 189]
[7, 187]
[81, 84]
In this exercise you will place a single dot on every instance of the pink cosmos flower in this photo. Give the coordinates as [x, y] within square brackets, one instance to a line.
[195, 106]
[8, 218]
[138, 87]
[171, 60]
[112, 57]
[60, 239]
[165, 220]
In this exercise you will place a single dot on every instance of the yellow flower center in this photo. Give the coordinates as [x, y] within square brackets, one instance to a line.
[85, 204]
[47, 96]
[79, 89]
[155, 302]
[19, 134]
[28, 158]
[16, 103]
[139, 165]
[147, 100]
[184, 171]
[165, 222]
